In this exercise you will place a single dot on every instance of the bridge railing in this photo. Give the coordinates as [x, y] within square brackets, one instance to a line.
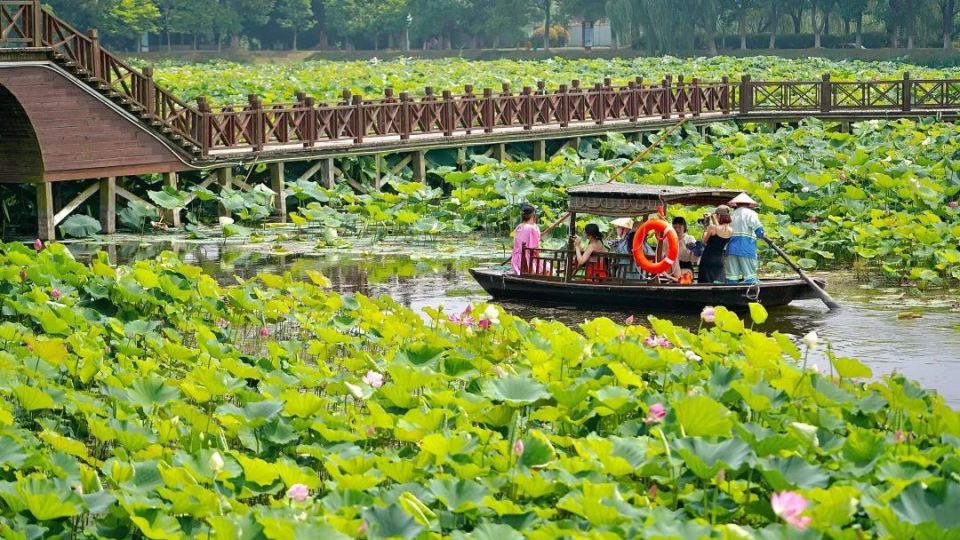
[354, 119]
[19, 24]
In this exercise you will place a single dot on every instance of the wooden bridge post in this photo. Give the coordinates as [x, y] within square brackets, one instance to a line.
[36, 23]
[725, 95]
[406, 116]
[256, 122]
[46, 227]
[488, 113]
[359, 123]
[526, 108]
[469, 107]
[328, 173]
[695, 102]
[277, 184]
[826, 93]
[746, 94]
[540, 150]
[108, 205]
[309, 123]
[446, 113]
[666, 99]
[204, 135]
[632, 104]
[907, 92]
[563, 106]
[418, 162]
[95, 63]
[224, 180]
[170, 180]
[599, 104]
[149, 92]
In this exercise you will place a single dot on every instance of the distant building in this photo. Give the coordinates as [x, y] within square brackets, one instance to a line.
[599, 31]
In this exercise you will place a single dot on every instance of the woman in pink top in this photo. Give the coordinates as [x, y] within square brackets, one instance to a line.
[527, 234]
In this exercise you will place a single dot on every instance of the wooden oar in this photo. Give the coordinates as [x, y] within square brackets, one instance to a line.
[831, 304]
[619, 173]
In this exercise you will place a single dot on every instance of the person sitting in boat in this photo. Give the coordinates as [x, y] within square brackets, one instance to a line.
[623, 243]
[527, 234]
[716, 234]
[741, 264]
[687, 257]
[589, 257]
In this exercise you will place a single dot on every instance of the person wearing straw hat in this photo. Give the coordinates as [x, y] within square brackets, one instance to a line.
[624, 225]
[741, 261]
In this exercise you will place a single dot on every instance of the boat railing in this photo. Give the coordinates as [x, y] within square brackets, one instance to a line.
[560, 265]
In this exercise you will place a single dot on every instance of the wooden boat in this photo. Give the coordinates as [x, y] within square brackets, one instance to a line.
[549, 276]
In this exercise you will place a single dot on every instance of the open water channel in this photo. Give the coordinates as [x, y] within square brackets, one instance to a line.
[887, 327]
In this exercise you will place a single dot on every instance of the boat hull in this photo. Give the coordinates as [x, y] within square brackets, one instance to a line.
[649, 297]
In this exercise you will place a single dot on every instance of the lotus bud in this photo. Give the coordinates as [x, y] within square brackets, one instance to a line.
[56, 294]
[38, 244]
[811, 340]
[499, 371]
[518, 447]
[264, 332]
[953, 204]
[299, 493]
[215, 462]
[709, 314]
[657, 413]
[630, 320]
[805, 189]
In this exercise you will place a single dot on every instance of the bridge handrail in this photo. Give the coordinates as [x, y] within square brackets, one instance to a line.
[253, 126]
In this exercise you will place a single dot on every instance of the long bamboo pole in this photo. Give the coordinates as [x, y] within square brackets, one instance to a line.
[831, 304]
[619, 173]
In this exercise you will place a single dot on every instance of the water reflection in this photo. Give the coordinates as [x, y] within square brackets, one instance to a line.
[926, 349]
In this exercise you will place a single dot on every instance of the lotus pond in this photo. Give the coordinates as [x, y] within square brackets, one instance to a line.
[148, 400]
[230, 83]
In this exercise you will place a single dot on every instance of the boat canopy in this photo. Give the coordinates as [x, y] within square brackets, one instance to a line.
[630, 200]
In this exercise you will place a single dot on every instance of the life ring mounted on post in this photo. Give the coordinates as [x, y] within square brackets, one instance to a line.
[663, 231]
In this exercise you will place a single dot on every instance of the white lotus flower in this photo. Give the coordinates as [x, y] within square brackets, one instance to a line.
[811, 340]
[225, 220]
[215, 462]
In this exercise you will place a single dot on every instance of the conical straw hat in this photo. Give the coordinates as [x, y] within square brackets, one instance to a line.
[742, 200]
[624, 222]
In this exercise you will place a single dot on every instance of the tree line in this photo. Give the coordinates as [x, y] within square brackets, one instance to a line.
[654, 26]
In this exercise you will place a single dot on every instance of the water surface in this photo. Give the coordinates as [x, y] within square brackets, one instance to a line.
[871, 325]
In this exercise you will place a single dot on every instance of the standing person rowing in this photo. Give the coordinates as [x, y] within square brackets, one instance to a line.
[742, 263]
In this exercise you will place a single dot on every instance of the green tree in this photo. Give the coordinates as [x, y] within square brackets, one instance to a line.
[949, 9]
[131, 18]
[739, 10]
[296, 15]
[852, 11]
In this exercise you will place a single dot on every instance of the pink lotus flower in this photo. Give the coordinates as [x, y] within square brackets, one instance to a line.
[264, 332]
[518, 447]
[664, 343]
[38, 244]
[709, 314]
[484, 324]
[652, 491]
[464, 318]
[953, 204]
[630, 320]
[657, 413]
[788, 506]
[56, 294]
[299, 493]
[373, 378]
[650, 341]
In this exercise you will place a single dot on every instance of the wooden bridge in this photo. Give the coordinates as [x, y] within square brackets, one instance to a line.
[72, 111]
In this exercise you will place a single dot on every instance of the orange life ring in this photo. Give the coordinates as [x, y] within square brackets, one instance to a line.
[663, 231]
